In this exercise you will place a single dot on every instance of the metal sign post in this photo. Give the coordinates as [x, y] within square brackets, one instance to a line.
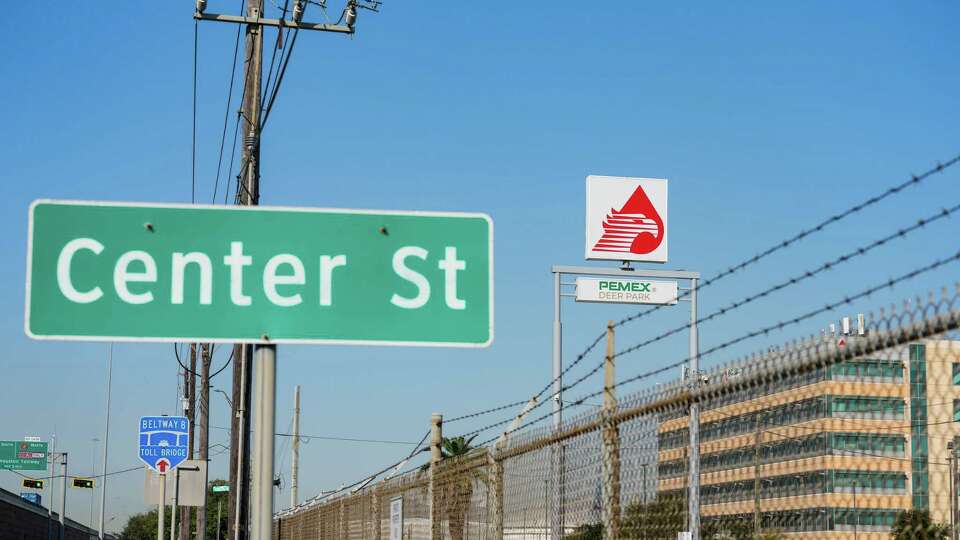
[557, 464]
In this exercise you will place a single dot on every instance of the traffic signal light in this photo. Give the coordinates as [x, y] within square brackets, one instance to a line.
[32, 484]
[83, 483]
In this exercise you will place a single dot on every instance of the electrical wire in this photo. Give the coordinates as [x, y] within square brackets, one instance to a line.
[332, 438]
[226, 114]
[276, 86]
[176, 353]
[193, 155]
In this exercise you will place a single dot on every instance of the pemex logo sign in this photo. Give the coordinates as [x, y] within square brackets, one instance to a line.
[626, 219]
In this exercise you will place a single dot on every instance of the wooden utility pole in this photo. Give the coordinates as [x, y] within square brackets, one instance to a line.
[248, 192]
[611, 445]
[436, 454]
[203, 423]
[190, 387]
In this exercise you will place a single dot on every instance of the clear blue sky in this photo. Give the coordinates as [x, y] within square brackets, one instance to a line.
[765, 118]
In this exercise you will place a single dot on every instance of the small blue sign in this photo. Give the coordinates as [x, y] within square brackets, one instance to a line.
[31, 497]
[164, 441]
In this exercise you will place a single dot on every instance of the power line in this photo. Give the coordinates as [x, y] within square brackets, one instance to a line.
[122, 471]
[276, 86]
[226, 114]
[332, 438]
[193, 154]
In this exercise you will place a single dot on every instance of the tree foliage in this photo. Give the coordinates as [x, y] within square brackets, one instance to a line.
[143, 526]
[917, 525]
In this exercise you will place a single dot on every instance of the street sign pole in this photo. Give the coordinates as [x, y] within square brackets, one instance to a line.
[176, 504]
[557, 526]
[162, 505]
[264, 420]
[63, 495]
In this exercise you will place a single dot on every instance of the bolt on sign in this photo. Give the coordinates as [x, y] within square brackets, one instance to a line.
[164, 272]
[626, 291]
[23, 455]
[626, 219]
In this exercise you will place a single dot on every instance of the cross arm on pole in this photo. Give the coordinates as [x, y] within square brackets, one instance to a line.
[282, 23]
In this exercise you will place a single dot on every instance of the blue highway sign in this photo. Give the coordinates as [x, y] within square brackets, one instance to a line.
[164, 441]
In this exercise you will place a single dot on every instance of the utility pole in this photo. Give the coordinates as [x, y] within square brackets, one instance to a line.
[203, 421]
[248, 192]
[190, 387]
[295, 467]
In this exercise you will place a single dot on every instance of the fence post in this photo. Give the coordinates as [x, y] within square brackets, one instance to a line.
[611, 446]
[436, 439]
[344, 532]
[496, 465]
[376, 512]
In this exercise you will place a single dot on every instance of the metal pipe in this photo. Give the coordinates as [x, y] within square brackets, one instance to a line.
[162, 506]
[63, 495]
[264, 419]
[557, 449]
[106, 444]
[693, 500]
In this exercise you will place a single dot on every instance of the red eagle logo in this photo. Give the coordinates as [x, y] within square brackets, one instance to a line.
[635, 228]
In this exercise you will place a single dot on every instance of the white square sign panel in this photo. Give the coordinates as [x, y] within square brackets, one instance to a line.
[626, 219]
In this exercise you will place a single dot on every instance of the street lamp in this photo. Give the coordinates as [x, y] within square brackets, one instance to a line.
[225, 396]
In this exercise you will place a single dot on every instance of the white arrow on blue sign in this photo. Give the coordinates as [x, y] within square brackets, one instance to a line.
[164, 441]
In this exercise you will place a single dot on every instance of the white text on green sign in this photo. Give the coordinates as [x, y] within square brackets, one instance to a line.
[166, 272]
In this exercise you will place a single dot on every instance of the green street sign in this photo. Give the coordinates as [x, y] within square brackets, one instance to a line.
[221, 488]
[164, 272]
[23, 455]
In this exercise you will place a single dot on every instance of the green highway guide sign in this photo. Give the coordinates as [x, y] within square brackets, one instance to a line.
[23, 455]
[165, 272]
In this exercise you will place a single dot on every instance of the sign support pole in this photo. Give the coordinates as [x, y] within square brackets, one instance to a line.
[63, 496]
[106, 443]
[557, 461]
[175, 505]
[264, 420]
[162, 507]
[694, 484]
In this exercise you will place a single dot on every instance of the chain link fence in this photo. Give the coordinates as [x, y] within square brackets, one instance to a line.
[839, 435]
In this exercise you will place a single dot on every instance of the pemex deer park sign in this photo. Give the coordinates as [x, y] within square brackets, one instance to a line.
[164, 272]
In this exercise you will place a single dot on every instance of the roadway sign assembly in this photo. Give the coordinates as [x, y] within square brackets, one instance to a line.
[23, 455]
[223, 488]
[164, 441]
[31, 483]
[83, 483]
[626, 219]
[163, 272]
[187, 485]
[626, 291]
[30, 497]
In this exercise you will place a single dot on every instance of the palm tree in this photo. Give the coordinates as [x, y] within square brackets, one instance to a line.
[457, 473]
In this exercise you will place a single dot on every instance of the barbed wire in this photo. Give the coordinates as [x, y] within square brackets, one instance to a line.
[912, 181]
[762, 331]
[799, 278]
[803, 276]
